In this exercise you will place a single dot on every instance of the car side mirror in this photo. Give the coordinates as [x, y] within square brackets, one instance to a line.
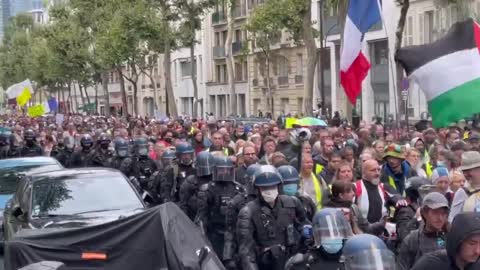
[18, 213]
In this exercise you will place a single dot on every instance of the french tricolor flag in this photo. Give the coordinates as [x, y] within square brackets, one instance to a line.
[354, 66]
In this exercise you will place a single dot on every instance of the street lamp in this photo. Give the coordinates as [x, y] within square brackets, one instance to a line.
[323, 39]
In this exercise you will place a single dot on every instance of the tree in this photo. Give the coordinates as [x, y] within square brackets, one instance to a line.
[264, 27]
[191, 13]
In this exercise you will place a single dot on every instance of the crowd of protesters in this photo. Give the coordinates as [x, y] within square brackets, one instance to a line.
[417, 190]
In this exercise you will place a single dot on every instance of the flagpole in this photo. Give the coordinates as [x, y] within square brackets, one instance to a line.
[395, 94]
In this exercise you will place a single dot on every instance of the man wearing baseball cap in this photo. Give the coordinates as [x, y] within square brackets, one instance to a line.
[431, 234]
[465, 199]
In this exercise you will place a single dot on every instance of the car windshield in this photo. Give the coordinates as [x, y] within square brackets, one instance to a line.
[78, 195]
[9, 175]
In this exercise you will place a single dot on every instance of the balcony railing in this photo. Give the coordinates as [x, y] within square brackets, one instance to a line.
[298, 79]
[237, 47]
[218, 18]
[218, 52]
[283, 80]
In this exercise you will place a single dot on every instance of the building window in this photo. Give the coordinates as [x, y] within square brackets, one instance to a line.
[238, 72]
[380, 53]
[282, 68]
[428, 27]
[408, 37]
[299, 69]
[186, 68]
[284, 105]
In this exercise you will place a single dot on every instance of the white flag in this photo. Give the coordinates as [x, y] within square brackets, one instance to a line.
[17, 89]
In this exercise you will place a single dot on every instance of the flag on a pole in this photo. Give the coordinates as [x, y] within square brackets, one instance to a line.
[448, 72]
[19, 89]
[24, 97]
[53, 104]
[354, 66]
[36, 110]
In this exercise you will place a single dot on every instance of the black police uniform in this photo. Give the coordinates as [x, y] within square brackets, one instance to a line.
[189, 194]
[81, 158]
[315, 259]
[32, 150]
[63, 156]
[163, 184]
[143, 168]
[214, 198]
[101, 157]
[268, 235]
[184, 171]
[122, 164]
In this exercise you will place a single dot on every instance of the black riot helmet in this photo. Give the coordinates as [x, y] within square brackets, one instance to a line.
[104, 140]
[121, 147]
[223, 170]
[29, 136]
[141, 146]
[168, 158]
[205, 163]
[185, 153]
[86, 142]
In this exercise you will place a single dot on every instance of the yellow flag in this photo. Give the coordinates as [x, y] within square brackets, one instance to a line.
[289, 122]
[24, 97]
[37, 110]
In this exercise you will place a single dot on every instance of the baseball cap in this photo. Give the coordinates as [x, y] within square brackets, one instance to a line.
[435, 200]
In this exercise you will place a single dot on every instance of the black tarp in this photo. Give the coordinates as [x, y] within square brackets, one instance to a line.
[160, 238]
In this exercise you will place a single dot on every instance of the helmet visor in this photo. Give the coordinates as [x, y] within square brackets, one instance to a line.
[143, 151]
[371, 259]
[331, 227]
[224, 173]
[186, 158]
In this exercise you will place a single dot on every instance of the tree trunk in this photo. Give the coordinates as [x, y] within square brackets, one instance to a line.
[65, 108]
[312, 58]
[167, 66]
[398, 45]
[87, 97]
[153, 82]
[194, 77]
[229, 58]
[73, 99]
[269, 85]
[124, 92]
[105, 92]
[96, 98]
[81, 93]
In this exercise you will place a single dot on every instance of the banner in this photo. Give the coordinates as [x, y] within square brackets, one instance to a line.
[37, 110]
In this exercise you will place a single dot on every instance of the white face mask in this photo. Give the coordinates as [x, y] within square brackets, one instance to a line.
[375, 181]
[270, 195]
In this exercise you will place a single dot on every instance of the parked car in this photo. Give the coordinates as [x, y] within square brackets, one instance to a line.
[11, 170]
[70, 199]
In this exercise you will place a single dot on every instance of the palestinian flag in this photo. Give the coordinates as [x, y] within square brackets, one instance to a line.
[448, 72]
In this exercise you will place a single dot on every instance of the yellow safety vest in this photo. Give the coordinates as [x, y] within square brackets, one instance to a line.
[318, 191]
[428, 169]
[319, 168]
[391, 181]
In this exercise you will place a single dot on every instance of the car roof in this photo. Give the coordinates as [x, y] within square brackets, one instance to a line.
[96, 173]
[27, 161]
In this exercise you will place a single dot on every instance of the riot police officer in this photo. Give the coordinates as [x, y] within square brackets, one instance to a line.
[189, 190]
[269, 227]
[143, 166]
[367, 252]
[121, 161]
[64, 151]
[4, 144]
[102, 154]
[330, 231]
[291, 180]
[234, 207]
[214, 198]
[31, 148]
[185, 155]
[163, 181]
[82, 158]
